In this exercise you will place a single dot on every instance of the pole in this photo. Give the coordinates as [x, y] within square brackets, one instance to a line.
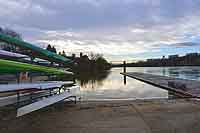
[18, 77]
[124, 65]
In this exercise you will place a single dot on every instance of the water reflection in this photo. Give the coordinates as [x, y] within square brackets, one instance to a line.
[93, 79]
[124, 80]
[190, 72]
[111, 86]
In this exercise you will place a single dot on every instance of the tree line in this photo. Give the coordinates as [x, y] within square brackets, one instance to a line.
[190, 59]
[84, 63]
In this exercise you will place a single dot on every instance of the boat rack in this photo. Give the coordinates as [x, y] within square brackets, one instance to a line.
[36, 96]
[28, 99]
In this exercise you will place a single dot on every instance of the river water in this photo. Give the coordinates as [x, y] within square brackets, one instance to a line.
[112, 87]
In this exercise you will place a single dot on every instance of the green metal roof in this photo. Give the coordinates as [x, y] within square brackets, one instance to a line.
[7, 66]
[39, 52]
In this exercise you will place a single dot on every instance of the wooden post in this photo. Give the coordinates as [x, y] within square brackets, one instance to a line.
[50, 94]
[124, 65]
[18, 99]
[74, 79]
[59, 90]
[124, 80]
[18, 78]
[31, 77]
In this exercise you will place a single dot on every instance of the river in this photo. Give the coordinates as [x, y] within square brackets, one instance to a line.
[112, 87]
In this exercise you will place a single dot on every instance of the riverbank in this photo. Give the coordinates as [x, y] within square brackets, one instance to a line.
[139, 116]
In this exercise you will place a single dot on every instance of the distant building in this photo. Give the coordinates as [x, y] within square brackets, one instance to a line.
[149, 60]
[173, 56]
[192, 54]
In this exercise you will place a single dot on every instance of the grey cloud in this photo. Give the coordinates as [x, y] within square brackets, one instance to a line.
[186, 44]
[114, 27]
[76, 14]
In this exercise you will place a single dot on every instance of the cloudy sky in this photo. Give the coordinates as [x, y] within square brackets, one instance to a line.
[119, 29]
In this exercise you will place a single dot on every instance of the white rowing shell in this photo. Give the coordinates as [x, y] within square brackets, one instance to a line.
[27, 86]
[42, 103]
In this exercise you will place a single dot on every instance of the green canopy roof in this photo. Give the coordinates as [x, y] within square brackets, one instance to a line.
[38, 52]
[7, 66]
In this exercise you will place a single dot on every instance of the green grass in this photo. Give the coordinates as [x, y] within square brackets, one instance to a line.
[7, 66]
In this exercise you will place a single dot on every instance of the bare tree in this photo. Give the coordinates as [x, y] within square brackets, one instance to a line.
[7, 46]
[11, 33]
[1, 30]
[94, 57]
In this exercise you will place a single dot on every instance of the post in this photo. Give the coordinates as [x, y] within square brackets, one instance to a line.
[18, 78]
[50, 94]
[74, 79]
[31, 77]
[18, 99]
[124, 66]
[59, 90]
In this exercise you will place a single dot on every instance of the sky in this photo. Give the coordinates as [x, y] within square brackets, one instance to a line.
[118, 29]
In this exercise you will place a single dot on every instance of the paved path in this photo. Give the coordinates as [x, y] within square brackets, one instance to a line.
[155, 116]
[189, 88]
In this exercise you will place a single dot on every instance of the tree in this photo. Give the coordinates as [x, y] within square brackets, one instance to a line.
[53, 50]
[63, 53]
[12, 33]
[102, 63]
[1, 30]
[49, 47]
[95, 56]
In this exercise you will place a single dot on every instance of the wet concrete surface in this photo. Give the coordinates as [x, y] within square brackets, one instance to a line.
[139, 116]
[183, 87]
